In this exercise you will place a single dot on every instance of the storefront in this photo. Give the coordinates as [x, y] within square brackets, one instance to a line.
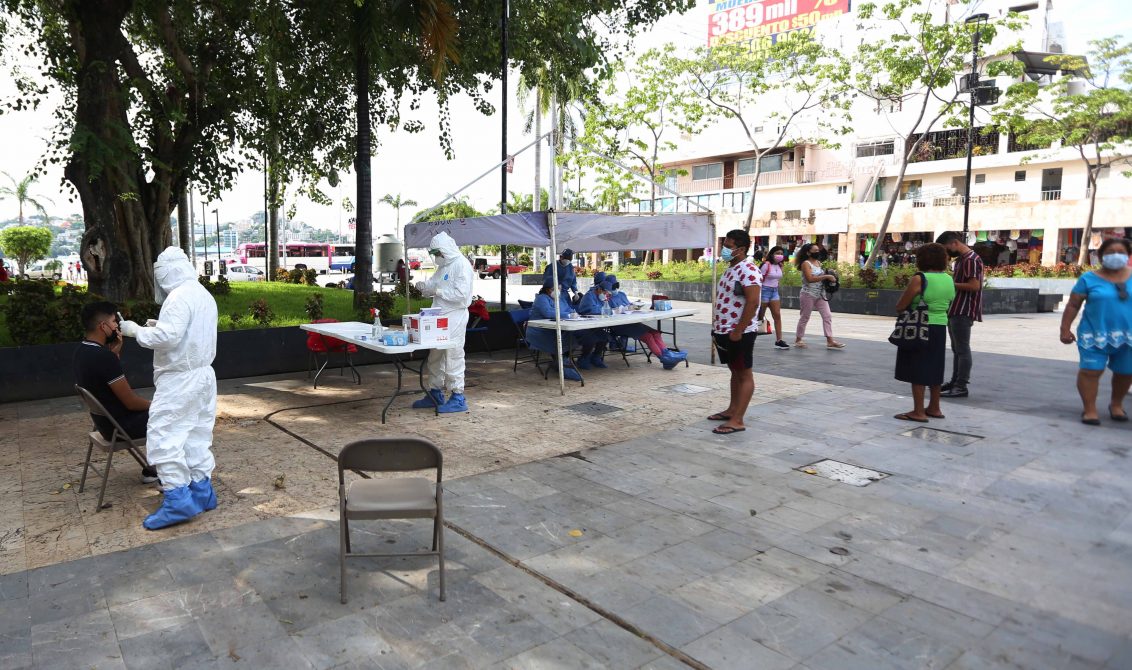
[1008, 247]
[1070, 241]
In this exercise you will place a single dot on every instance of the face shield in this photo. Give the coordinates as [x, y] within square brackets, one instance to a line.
[159, 294]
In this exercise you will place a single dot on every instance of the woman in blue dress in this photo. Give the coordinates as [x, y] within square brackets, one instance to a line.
[1104, 336]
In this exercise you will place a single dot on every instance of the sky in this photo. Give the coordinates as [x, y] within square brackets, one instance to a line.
[413, 165]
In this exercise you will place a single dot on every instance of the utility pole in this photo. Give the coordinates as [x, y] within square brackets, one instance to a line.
[977, 21]
[504, 167]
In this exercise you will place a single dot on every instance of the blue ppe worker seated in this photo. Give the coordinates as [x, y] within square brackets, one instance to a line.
[183, 411]
[567, 277]
[591, 305]
[650, 337]
[543, 339]
[450, 288]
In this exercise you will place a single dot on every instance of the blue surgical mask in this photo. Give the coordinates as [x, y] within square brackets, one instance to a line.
[726, 254]
[1114, 261]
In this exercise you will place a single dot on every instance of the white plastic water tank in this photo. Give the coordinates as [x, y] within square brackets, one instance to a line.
[387, 251]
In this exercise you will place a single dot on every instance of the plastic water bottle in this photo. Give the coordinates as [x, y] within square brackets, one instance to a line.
[606, 311]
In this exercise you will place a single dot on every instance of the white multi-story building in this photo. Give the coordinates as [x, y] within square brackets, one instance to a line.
[1027, 205]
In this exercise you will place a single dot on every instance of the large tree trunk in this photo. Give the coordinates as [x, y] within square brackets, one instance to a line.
[363, 241]
[183, 221]
[127, 219]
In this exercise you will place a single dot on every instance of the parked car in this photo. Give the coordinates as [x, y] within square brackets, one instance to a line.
[241, 272]
[495, 270]
[44, 270]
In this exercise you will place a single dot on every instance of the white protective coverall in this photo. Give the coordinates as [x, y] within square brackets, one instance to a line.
[183, 412]
[451, 290]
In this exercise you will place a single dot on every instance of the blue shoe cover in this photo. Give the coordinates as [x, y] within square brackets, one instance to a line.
[456, 403]
[572, 375]
[583, 363]
[177, 506]
[426, 403]
[595, 359]
[203, 494]
[668, 360]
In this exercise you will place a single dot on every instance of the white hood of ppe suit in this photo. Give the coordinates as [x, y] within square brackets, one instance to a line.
[184, 337]
[451, 284]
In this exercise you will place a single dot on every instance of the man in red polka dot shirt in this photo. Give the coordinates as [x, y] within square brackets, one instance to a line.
[733, 327]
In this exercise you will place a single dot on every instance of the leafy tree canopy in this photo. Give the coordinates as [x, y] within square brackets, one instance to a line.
[155, 93]
[26, 244]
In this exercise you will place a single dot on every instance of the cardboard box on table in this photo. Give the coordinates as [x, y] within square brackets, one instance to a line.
[426, 329]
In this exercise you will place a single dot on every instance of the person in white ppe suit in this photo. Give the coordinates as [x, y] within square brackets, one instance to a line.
[183, 412]
[450, 288]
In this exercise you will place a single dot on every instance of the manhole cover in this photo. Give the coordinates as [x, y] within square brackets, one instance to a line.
[687, 389]
[845, 473]
[593, 408]
[943, 436]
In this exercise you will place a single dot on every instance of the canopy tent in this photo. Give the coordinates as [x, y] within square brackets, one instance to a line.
[580, 231]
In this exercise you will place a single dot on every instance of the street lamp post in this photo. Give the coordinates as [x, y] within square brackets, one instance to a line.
[977, 20]
[217, 213]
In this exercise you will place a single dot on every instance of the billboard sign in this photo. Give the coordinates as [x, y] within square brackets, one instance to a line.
[759, 22]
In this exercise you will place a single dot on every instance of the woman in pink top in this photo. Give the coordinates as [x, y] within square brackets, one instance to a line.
[771, 271]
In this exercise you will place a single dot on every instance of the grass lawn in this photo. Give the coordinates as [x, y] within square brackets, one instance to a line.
[287, 301]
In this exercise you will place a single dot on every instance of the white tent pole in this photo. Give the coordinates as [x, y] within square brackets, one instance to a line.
[550, 217]
[552, 177]
[714, 281]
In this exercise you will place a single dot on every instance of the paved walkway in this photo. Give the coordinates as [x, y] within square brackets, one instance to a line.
[1001, 538]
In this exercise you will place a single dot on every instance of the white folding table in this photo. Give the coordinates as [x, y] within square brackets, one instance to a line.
[350, 331]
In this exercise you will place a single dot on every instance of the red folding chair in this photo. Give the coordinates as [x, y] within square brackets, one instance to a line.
[323, 345]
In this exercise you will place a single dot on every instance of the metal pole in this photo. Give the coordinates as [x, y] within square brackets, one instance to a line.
[973, 84]
[552, 179]
[192, 227]
[550, 219]
[204, 228]
[217, 213]
[266, 247]
[503, 149]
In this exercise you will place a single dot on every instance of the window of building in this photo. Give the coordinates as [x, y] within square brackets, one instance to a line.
[793, 214]
[709, 171]
[670, 182]
[886, 148]
[980, 179]
[770, 163]
[745, 166]
[1019, 175]
[1029, 6]
[841, 190]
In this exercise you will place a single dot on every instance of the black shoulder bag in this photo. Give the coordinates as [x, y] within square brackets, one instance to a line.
[911, 331]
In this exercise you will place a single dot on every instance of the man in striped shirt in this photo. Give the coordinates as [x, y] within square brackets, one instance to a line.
[966, 309]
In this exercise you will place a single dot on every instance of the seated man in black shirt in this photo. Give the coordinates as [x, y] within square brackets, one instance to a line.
[98, 370]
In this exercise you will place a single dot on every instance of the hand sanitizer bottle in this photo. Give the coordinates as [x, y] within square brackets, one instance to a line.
[376, 332]
[606, 310]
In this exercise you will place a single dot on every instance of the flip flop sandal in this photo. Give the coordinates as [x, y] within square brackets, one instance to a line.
[836, 345]
[727, 430]
[936, 416]
[800, 345]
[1089, 422]
[719, 416]
[1120, 418]
[908, 417]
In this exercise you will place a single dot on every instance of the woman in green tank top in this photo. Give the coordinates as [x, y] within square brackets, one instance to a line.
[924, 368]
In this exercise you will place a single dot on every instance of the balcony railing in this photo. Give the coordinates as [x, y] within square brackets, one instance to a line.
[777, 178]
[976, 200]
[1052, 194]
[944, 144]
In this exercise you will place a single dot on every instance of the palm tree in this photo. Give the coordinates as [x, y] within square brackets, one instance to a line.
[397, 203]
[549, 89]
[21, 191]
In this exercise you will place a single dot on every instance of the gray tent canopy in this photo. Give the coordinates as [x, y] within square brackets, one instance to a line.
[580, 231]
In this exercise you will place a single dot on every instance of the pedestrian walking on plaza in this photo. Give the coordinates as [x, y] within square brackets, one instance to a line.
[966, 309]
[733, 327]
[810, 297]
[771, 272]
[1104, 336]
[923, 368]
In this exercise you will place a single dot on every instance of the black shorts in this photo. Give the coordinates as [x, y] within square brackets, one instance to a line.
[736, 355]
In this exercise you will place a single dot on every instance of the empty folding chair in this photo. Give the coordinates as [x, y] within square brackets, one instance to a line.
[393, 498]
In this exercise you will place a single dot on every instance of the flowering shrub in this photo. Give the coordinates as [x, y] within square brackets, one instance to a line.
[1059, 271]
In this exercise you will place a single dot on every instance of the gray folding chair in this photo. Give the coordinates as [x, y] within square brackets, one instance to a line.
[119, 440]
[396, 498]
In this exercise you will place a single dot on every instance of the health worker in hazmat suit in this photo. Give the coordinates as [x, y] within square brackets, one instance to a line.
[183, 412]
[450, 288]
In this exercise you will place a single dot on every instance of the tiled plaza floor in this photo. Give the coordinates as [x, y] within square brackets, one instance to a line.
[631, 539]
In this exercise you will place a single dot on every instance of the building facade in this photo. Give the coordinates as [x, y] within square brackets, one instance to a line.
[1028, 204]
